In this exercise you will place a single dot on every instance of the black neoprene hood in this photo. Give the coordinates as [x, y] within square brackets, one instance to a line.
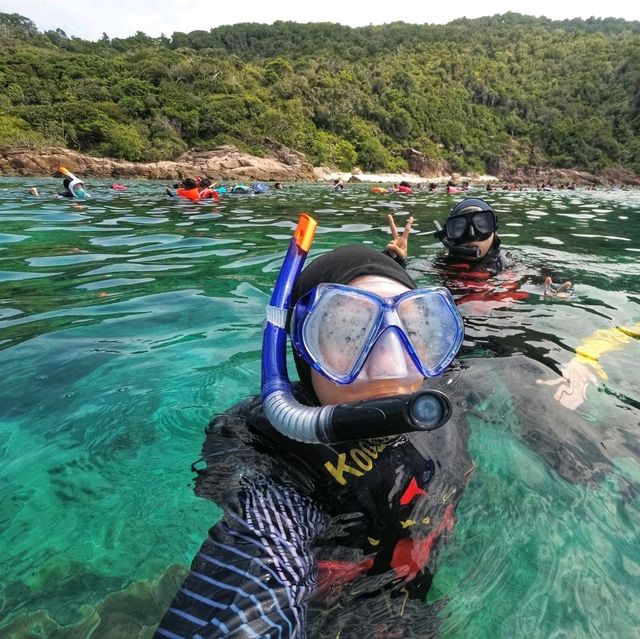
[461, 207]
[343, 264]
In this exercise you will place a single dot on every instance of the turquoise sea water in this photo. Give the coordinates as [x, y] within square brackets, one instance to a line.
[128, 321]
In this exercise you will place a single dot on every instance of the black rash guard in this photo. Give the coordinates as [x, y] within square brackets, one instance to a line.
[494, 262]
[494, 278]
[306, 525]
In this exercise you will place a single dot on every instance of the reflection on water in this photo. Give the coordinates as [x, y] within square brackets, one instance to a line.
[128, 320]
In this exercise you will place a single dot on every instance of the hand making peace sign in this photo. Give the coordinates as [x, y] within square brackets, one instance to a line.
[399, 244]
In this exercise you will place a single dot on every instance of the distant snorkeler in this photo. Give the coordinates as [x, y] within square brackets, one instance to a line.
[470, 234]
[73, 186]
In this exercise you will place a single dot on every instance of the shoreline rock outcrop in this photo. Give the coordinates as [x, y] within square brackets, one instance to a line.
[281, 164]
[224, 163]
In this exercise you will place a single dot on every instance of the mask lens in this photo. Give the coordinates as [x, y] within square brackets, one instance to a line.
[483, 221]
[456, 227]
[336, 330]
[432, 325]
[350, 335]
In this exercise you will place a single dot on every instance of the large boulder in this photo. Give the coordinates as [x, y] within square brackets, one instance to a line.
[424, 166]
[223, 163]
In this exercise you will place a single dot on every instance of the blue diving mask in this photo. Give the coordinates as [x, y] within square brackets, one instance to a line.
[425, 410]
[336, 329]
[75, 184]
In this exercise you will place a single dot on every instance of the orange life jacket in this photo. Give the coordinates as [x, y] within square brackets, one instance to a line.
[190, 194]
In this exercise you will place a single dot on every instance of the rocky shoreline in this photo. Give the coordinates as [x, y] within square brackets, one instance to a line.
[224, 163]
[281, 164]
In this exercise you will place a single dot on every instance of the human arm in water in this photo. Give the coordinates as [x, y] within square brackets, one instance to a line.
[579, 372]
[398, 247]
[254, 573]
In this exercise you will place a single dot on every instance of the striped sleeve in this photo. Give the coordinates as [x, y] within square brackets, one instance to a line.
[253, 574]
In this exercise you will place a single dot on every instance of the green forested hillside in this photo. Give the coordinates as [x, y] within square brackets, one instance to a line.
[483, 95]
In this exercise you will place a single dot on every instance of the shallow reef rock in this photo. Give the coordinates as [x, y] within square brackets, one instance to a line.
[133, 612]
[223, 163]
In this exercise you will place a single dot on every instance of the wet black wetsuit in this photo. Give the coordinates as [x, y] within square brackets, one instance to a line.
[491, 279]
[494, 262]
[307, 527]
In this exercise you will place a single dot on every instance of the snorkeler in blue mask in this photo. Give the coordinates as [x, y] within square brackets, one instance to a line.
[73, 186]
[343, 485]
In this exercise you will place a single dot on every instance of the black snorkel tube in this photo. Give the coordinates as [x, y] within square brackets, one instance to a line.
[382, 417]
[463, 251]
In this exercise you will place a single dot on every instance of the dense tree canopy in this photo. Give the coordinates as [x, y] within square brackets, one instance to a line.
[501, 91]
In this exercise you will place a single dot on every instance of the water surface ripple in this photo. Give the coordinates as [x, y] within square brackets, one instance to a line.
[127, 321]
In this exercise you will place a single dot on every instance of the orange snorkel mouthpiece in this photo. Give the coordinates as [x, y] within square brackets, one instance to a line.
[304, 232]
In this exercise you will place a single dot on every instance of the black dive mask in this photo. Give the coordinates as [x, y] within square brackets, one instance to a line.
[467, 227]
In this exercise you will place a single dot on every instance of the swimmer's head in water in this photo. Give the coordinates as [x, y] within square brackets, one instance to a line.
[66, 183]
[361, 330]
[472, 219]
[470, 229]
